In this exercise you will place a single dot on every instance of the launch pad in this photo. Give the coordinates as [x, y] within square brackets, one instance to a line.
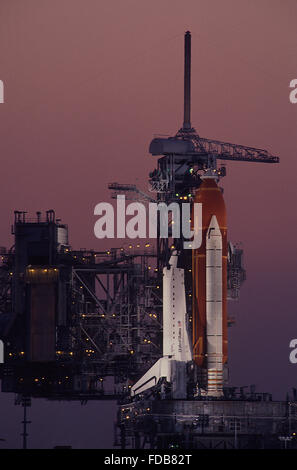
[146, 325]
[252, 422]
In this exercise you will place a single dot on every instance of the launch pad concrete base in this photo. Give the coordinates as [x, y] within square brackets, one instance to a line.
[185, 424]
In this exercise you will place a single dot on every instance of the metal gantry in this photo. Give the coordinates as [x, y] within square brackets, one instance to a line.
[108, 317]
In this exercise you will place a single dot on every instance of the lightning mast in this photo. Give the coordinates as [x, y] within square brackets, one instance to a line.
[187, 83]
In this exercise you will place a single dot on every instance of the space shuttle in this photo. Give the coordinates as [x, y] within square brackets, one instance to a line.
[206, 351]
[177, 351]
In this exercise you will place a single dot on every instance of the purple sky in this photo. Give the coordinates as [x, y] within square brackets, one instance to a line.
[87, 85]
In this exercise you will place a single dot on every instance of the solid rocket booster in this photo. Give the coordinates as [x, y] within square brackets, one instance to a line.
[209, 271]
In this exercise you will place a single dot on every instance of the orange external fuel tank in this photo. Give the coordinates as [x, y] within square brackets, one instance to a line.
[211, 197]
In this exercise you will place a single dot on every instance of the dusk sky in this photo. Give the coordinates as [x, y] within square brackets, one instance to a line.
[88, 83]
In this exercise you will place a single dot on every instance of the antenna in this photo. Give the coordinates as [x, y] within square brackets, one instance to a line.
[187, 83]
